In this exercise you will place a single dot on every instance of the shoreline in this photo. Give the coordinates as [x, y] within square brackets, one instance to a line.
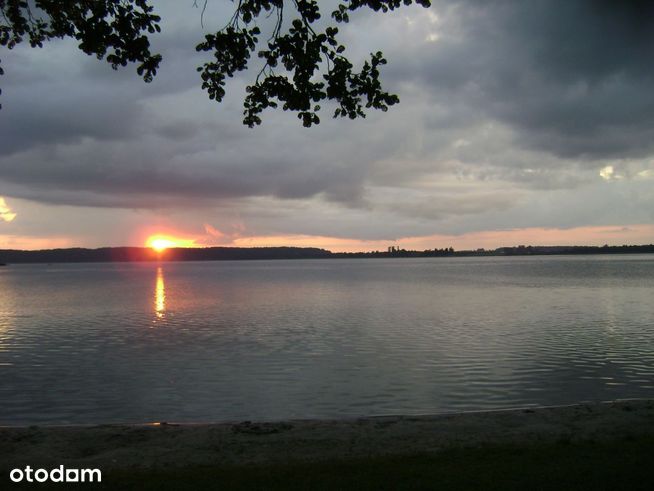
[345, 419]
[245, 443]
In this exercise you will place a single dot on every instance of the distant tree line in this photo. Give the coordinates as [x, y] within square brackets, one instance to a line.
[605, 249]
[521, 250]
[135, 254]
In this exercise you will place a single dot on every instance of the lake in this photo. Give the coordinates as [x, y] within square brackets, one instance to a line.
[270, 340]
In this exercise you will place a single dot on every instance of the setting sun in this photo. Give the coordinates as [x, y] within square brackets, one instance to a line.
[160, 243]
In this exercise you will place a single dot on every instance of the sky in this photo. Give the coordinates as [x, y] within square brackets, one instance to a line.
[519, 123]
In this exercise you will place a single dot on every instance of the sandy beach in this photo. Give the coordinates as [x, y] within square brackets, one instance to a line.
[169, 445]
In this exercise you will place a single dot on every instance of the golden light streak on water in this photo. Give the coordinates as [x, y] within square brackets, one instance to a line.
[160, 295]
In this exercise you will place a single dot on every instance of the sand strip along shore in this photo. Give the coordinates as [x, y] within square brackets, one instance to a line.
[165, 445]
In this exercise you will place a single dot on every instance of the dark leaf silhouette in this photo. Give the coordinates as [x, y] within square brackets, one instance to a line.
[300, 64]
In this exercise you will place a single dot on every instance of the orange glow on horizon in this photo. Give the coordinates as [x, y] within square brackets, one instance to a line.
[489, 239]
[158, 241]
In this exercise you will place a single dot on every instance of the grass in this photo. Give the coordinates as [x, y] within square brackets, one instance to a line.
[624, 464]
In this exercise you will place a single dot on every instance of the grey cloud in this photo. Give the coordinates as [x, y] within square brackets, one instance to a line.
[66, 121]
[442, 206]
[178, 130]
[152, 172]
[58, 94]
[571, 77]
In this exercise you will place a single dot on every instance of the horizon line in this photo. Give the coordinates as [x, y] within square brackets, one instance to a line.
[397, 248]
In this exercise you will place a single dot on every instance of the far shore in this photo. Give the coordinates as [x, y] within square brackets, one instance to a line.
[174, 254]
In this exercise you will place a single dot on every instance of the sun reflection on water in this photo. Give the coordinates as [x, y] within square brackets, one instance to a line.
[160, 295]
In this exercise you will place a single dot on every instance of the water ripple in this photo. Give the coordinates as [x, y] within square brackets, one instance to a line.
[281, 339]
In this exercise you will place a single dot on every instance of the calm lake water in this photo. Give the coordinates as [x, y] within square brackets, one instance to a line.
[268, 340]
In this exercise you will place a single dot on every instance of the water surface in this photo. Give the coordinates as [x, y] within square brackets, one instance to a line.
[267, 340]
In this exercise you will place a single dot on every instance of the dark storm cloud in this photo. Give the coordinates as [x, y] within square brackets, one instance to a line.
[66, 120]
[571, 77]
[76, 132]
[60, 95]
[199, 165]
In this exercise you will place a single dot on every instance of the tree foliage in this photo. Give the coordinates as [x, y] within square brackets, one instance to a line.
[301, 64]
